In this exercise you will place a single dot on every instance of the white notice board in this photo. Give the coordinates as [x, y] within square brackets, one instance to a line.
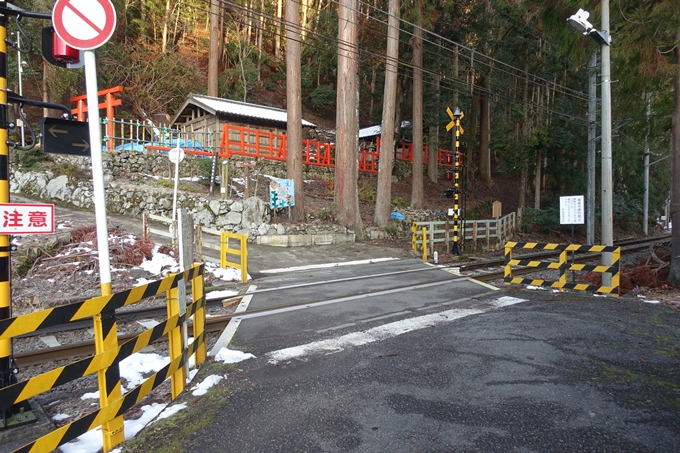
[571, 210]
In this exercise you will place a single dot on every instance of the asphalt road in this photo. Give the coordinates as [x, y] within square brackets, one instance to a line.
[553, 373]
[455, 370]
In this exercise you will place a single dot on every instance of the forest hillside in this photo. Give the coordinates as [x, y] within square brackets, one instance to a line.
[515, 68]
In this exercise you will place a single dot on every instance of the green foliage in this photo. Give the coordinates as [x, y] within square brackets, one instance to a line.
[235, 83]
[627, 212]
[306, 77]
[367, 194]
[203, 167]
[542, 221]
[144, 74]
[167, 183]
[30, 159]
[74, 172]
[324, 214]
[278, 76]
[480, 211]
[400, 202]
[323, 96]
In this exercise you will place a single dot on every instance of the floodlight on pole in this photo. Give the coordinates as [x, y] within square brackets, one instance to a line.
[579, 22]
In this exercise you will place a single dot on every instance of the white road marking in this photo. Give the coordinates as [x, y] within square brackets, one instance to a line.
[229, 332]
[384, 332]
[333, 345]
[321, 266]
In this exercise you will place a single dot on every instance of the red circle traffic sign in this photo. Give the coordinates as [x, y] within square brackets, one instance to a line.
[84, 24]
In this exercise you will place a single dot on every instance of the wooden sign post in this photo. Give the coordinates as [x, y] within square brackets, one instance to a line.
[246, 177]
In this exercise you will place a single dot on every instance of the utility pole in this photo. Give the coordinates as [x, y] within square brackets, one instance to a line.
[592, 131]
[645, 198]
[607, 203]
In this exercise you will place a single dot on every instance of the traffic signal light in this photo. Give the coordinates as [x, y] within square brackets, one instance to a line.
[57, 52]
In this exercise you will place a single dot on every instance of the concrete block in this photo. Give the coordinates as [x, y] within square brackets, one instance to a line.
[323, 239]
[275, 240]
[300, 240]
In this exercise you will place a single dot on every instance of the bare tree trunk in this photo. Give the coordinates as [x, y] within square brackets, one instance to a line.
[214, 49]
[472, 133]
[674, 275]
[249, 27]
[374, 73]
[305, 12]
[523, 179]
[523, 135]
[259, 42]
[537, 181]
[417, 181]
[433, 142]
[484, 133]
[294, 107]
[277, 33]
[347, 135]
[166, 25]
[383, 199]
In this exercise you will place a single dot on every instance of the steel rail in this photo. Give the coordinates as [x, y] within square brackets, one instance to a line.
[213, 323]
[216, 323]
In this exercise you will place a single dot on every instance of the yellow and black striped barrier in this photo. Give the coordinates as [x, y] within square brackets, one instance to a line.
[564, 266]
[108, 358]
[66, 433]
[422, 232]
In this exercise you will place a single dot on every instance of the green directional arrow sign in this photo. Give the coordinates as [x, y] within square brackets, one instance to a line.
[65, 137]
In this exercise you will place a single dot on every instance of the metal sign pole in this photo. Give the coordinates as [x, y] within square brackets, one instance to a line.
[97, 172]
[104, 323]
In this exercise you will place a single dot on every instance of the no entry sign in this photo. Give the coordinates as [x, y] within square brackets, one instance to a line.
[84, 24]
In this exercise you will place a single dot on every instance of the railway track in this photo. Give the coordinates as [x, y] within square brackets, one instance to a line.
[627, 246]
[217, 323]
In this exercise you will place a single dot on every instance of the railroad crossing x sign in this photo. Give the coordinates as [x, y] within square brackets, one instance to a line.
[65, 137]
[453, 120]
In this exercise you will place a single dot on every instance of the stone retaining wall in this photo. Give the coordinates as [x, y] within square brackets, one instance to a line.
[251, 217]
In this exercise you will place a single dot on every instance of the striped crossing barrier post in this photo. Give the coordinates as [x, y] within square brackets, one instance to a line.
[5, 263]
[176, 307]
[455, 122]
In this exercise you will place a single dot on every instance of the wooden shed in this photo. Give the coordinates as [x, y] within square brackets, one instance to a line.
[205, 116]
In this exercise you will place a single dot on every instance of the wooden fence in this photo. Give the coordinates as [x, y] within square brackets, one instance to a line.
[488, 234]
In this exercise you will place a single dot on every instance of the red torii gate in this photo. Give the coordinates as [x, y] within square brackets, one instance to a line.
[109, 103]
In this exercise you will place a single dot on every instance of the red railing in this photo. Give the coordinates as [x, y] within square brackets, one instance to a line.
[253, 143]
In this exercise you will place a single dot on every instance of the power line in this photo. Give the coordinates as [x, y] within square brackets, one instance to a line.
[255, 14]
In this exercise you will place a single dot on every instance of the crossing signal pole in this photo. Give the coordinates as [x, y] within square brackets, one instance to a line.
[5, 263]
[457, 176]
[18, 414]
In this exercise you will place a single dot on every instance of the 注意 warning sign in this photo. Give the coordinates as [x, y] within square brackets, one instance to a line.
[24, 218]
[84, 24]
